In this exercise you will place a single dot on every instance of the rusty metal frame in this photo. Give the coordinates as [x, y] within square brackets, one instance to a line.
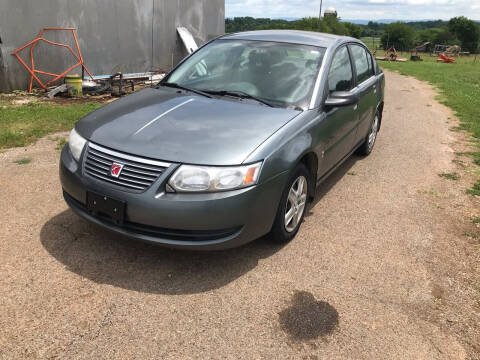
[32, 44]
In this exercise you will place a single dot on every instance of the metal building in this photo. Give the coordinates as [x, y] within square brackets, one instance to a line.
[114, 35]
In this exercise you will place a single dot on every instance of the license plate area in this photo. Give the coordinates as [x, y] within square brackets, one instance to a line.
[102, 204]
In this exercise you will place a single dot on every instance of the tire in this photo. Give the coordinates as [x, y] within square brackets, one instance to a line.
[366, 148]
[295, 200]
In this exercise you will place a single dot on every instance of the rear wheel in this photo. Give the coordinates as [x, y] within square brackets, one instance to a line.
[291, 209]
[367, 147]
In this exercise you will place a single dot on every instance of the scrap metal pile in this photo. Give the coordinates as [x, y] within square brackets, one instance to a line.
[117, 84]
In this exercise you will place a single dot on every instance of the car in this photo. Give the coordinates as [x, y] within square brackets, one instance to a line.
[229, 146]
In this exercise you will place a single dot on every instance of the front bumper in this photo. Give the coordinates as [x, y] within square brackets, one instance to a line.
[193, 221]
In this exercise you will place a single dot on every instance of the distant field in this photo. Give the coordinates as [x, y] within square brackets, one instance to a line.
[372, 43]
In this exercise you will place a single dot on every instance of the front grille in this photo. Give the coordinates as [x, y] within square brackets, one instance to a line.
[138, 174]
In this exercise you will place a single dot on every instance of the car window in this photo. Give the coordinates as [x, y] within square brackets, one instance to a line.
[363, 69]
[340, 76]
[280, 73]
[371, 66]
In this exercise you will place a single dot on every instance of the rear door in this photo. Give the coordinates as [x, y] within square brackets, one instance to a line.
[339, 128]
[366, 88]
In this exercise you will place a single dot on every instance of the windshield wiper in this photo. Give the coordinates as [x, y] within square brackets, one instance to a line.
[239, 94]
[178, 86]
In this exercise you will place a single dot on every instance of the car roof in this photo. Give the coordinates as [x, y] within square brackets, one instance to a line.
[293, 37]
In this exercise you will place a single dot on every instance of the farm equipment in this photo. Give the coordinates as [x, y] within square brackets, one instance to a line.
[419, 48]
[439, 49]
[445, 59]
[391, 55]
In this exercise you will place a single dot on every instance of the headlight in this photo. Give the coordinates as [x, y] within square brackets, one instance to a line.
[189, 178]
[76, 143]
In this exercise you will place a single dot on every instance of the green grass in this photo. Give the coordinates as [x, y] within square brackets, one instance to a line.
[22, 125]
[475, 190]
[450, 176]
[372, 42]
[23, 161]
[61, 143]
[459, 88]
[474, 155]
[476, 220]
[471, 235]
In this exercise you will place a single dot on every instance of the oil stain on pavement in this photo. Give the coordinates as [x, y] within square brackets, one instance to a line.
[307, 318]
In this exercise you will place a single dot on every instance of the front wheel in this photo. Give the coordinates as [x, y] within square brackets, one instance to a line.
[291, 209]
[367, 147]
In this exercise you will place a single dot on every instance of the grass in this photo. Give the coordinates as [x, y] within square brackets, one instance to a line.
[372, 42]
[23, 161]
[450, 176]
[476, 220]
[22, 125]
[474, 155]
[471, 235]
[459, 88]
[475, 190]
[61, 143]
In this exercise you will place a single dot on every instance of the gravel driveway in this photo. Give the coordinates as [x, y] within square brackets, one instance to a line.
[381, 268]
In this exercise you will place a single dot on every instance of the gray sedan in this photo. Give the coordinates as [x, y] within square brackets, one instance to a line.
[230, 145]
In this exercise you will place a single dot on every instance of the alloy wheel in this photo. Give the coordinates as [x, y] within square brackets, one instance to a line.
[373, 133]
[295, 206]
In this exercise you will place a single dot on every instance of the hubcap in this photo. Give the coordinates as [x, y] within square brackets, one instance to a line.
[295, 206]
[373, 133]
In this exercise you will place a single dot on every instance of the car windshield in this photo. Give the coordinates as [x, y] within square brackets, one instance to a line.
[279, 74]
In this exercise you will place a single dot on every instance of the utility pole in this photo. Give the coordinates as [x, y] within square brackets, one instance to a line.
[320, 14]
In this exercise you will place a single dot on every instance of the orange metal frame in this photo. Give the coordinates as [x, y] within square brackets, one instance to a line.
[33, 71]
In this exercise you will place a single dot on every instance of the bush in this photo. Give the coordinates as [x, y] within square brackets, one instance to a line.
[466, 31]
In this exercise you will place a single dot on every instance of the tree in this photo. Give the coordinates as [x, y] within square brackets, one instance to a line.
[336, 27]
[353, 30]
[445, 37]
[467, 31]
[428, 35]
[400, 35]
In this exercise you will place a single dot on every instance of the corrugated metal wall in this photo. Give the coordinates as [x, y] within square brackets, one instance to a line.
[114, 35]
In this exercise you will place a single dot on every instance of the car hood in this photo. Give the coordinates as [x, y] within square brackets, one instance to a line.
[175, 126]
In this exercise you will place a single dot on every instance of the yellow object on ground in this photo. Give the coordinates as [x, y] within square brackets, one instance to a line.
[74, 85]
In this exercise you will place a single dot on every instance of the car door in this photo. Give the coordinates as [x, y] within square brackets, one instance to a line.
[337, 131]
[366, 89]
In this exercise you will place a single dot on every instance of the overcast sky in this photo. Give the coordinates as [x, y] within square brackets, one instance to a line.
[357, 9]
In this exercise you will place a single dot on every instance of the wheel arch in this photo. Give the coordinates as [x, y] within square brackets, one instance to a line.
[380, 113]
[310, 160]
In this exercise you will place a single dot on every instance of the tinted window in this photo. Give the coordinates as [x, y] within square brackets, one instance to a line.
[340, 77]
[363, 69]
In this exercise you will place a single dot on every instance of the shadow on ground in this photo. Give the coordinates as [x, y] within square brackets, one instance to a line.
[108, 258]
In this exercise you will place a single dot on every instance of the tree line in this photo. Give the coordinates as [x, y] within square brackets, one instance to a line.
[330, 25]
[403, 35]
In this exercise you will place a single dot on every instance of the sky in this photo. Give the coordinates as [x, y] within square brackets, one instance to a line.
[356, 9]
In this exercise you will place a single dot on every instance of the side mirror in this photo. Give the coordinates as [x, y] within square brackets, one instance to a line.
[341, 98]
